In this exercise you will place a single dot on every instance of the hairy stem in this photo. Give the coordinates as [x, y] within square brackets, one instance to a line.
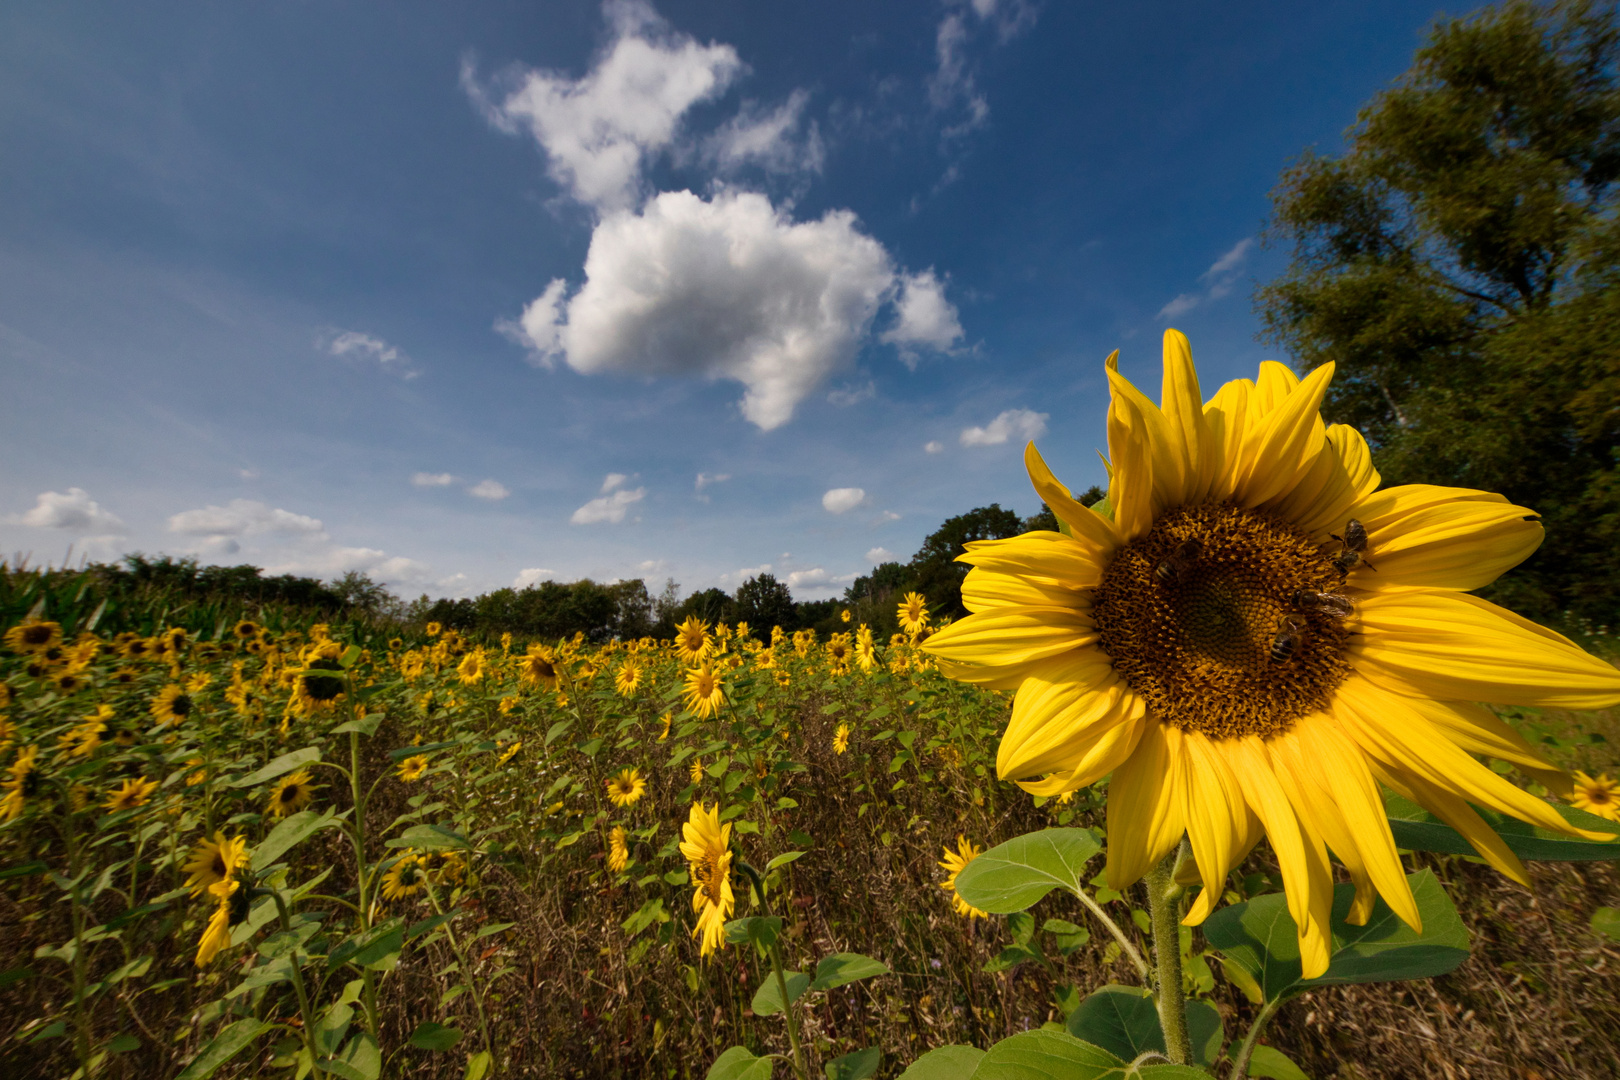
[1162, 895]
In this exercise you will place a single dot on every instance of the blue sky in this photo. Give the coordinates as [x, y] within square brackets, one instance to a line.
[465, 295]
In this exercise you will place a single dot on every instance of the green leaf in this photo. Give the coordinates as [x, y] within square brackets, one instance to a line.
[782, 860]
[846, 967]
[27, 869]
[739, 1063]
[288, 835]
[1259, 935]
[286, 763]
[478, 1065]
[399, 755]
[559, 728]
[762, 930]
[381, 950]
[227, 1044]
[361, 1059]
[1273, 1064]
[434, 1036]
[123, 1043]
[16, 975]
[1124, 1021]
[1047, 1055]
[1012, 876]
[1606, 921]
[945, 1063]
[366, 725]
[431, 838]
[854, 1066]
[768, 998]
[1419, 830]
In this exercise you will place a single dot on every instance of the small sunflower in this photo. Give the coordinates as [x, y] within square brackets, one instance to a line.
[434, 629]
[692, 642]
[69, 682]
[1597, 795]
[134, 793]
[292, 793]
[913, 612]
[405, 878]
[626, 787]
[20, 783]
[471, 669]
[33, 635]
[172, 705]
[695, 770]
[706, 846]
[213, 860]
[82, 740]
[123, 676]
[246, 629]
[666, 720]
[841, 739]
[703, 693]
[538, 667]
[509, 753]
[628, 679]
[954, 861]
[618, 851]
[845, 615]
[413, 767]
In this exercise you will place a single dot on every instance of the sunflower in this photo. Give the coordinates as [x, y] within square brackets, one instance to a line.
[692, 641]
[133, 793]
[839, 651]
[666, 720]
[471, 669]
[626, 787]
[19, 784]
[509, 753]
[213, 860]
[618, 853]
[865, 650]
[628, 678]
[83, 739]
[33, 635]
[706, 846]
[292, 792]
[246, 629]
[413, 767]
[538, 667]
[845, 615]
[434, 629]
[695, 771]
[123, 676]
[1255, 637]
[313, 689]
[171, 706]
[913, 613]
[405, 878]
[841, 739]
[704, 694]
[1597, 795]
[231, 909]
[954, 861]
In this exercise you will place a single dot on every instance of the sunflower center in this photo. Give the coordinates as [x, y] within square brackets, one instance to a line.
[1209, 618]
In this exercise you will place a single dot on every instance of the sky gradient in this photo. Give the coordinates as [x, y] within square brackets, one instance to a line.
[466, 296]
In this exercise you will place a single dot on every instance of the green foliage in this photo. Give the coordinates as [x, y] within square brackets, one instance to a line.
[1460, 263]
[1013, 876]
[1124, 1021]
[1419, 830]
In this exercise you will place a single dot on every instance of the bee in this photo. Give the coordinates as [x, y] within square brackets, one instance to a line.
[1354, 551]
[1179, 562]
[1290, 633]
[1330, 604]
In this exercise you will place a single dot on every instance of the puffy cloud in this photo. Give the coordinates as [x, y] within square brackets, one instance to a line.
[727, 287]
[334, 561]
[923, 317]
[1218, 281]
[933, 446]
[609, 508]
[73, 509]
[423, 479]
[243, 517]
[598, 130]
[533, 575]
[492, 490]
[842, 500]
[879, 555]
[813, 576]
[358, 346]
[613, 480]
[886, 517]
[1020, 424]
[768, 139]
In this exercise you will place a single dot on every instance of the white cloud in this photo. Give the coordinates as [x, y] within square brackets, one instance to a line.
[727, 287]
[243, 517]
[1218, 281]
[608, 508]
[842, 500]
[492, 490]
[852, 395]
[358, 346]
[73, 509]
[737, 577]
[706, 479]
[533, 575]
[768, 139]
[923, 317]
[1019, 424]
[598, 130]
[933, 446]
[335, 561]
[879, 555]
[423, 479]
[886, 517]
[952, 84]
[613, 480]
[653, 566]
[813, 576]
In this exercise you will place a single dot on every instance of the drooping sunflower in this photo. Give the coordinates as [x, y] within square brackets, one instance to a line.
[841, 739]
[405, 878]
[703, 693]
[538, 667]
[667, 719]
[231, 908]
[292, 793]
[1597, 795]
[413, 767]
[706, 846]
[134, 793]
[20, 783]
[213, 860]
[1255, 637]
[171, 706]
[33, 635]
[913, 613]
[692, 641]
[626, 787]
[954, 861]
[509, 753]
[618, 851]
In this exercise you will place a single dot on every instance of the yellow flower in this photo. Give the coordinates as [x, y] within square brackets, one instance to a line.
[471, 668]
[692, 640]
[627, 787]
[703, 693]
[33, 635]
[413, 767]
[509, 753]
[1222, 644]
[628, 679]
[434, 629]
[1597, 795]
[706, 846]
[405, 878]
[171, 706]
[841, 739]
[618, 851]
[136, 792]
[83, 739]
[292, 792]
[913, 612]
[845, 615]
[213, 860]
[217, 935]
[19, 783]
[865, 650]
[538, 667]
[246, 628]
[198, 682]
[695, 770]
[666, 720]
[954, 861]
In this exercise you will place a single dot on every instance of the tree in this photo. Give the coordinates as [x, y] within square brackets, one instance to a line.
[764, 602]
[934, 569]
[1460, 264]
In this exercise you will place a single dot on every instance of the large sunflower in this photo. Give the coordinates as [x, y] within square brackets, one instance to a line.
[1257, 637]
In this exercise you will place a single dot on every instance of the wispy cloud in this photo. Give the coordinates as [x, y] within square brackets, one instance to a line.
[611, 506]
[1218, 281]
[493, 490]
[423, 479]
[354, 345]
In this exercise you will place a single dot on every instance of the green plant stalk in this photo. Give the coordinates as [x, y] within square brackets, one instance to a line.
[1240, 1064]
[781, 979]
[466, 971]
[81, 1015]
[1162, 907]
[304, 1008]
[1125, 943]
[358, 834]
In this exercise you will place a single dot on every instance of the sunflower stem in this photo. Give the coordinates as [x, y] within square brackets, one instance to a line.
[1240, 1064]
[1162, 895]
[466, 970]
[781, 979]
[305, 1008]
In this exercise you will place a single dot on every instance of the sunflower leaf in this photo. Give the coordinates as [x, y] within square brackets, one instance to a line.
[286, 763]
[1123, 1020]
[227, 1044]
[1013, 876]
[846, 967]
[1417, 829]
[945, 1063]
[854, 1066]
[292, 831]
[1048, 1055]
[768, 998]
[430, 838]
[739, 1063]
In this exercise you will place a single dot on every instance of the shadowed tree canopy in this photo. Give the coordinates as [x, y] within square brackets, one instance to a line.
[764, 602]
[934, 570]
[1460, 264]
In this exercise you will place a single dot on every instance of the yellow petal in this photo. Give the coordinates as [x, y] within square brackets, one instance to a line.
[1104, 748]
[986, 589]
[1144, 814]
[1131, 487]
[1228, 414]
[1183, 407]
[1281, 449]
[1440, 537]
[1319, 817]
[1319, 502]
[1045, 556]
[1052, 715]
[1276, 381]
[1480, 731]
[1454, 811]
[1217, 820]
[1455, 647]
[1090, 529]
[1356, 456]
[1012, 635]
